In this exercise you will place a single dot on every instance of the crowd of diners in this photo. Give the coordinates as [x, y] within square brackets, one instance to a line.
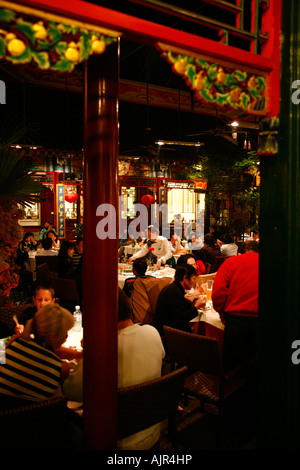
[42, 329]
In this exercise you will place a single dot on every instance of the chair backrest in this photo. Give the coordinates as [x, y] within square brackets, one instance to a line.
[203, 278]
[43, 424]
[6, 314]
[197, 352]
[65, 289]
[144, 297]
[51, 261]
[143, 405]
[43, 272]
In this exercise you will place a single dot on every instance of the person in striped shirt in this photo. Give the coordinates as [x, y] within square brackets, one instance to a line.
[32, 371]
[78, 250]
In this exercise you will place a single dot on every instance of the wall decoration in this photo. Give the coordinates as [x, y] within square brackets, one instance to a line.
[223, 86]
[60, 210]
[47, 44]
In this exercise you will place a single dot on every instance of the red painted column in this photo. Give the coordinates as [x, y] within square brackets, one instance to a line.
[100, 265]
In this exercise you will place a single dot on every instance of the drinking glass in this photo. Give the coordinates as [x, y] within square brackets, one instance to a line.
[209, 290]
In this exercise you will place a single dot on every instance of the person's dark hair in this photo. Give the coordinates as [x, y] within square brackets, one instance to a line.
[63, 251]
[226, 239]
[251, 245]
[140, 266]
[209, 239]
[27, 234]
[46, 243]
[185, 270]
[51, 231]
[47, 222]
[44, 287]
[124, 311]
[183, 259]
[78, 240]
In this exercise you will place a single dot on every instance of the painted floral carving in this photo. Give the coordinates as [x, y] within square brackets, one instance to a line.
[47, 44]
[221, 86]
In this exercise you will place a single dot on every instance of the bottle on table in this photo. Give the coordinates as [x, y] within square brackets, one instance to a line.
[78, 319]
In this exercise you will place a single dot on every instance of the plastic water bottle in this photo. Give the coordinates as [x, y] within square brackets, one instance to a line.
[2, 352]
[78, 319]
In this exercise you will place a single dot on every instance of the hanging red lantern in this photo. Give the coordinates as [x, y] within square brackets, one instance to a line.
[148, 199]
[71, 196]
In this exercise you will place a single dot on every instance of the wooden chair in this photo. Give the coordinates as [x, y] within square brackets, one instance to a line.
[144, 297]
[206, 379]
[51, 261]
[66, 291]
[43, 273]
[42, 425]
[143, 405]
[203, 278]
[7, 313]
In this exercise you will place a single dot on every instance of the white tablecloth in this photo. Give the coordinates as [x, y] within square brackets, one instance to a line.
[210, 316]
[164, 272]
[31, 263]
[130, 250]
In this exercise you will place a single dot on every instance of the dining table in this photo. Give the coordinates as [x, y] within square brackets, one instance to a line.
[32, 256]
[125, 271]
[208, 323]
[74, 342]
[130, 250]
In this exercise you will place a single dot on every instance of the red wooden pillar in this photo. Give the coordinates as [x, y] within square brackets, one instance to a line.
[100, 266]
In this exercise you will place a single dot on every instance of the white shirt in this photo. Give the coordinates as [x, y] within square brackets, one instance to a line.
[140, 355]
[175, 246]
[231, 249]
[161, 249]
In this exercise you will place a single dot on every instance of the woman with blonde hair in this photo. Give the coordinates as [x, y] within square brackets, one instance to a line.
[32, 370]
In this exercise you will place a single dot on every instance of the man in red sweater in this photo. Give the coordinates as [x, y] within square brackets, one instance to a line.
[235, 298]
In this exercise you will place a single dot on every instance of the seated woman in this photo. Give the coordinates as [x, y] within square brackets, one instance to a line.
[55, 242]
[66, 269]
[22, 259]
[190, 259]
[27, 244]
[32, 370]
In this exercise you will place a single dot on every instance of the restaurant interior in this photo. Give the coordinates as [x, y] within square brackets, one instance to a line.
[125, 127]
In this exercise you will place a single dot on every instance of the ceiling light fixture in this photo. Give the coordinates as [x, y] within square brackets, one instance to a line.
[179, 142]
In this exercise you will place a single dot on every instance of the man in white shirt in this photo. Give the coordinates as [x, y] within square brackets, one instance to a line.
[140, 355]
[159, 245]
[227, 246]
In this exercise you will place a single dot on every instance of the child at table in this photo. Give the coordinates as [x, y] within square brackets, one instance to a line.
[43, 295]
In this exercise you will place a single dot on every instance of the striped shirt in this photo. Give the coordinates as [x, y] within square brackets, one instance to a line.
[30, 371]
[76, 258]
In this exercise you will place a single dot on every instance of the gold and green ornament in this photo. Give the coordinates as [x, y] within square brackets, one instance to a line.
[226, 88]
[47, 44]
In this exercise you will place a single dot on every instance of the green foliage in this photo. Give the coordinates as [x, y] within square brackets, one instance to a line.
[17, 185]
[78, 229]
[230, 179]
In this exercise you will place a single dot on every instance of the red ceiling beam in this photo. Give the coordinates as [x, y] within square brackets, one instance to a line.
[145, 31]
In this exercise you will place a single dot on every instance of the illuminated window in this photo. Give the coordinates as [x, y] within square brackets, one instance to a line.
[71, 207]
[128, 199]
[32, 214]
[181, 201]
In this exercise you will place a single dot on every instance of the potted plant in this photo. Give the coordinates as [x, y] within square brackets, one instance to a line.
[17, 189]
